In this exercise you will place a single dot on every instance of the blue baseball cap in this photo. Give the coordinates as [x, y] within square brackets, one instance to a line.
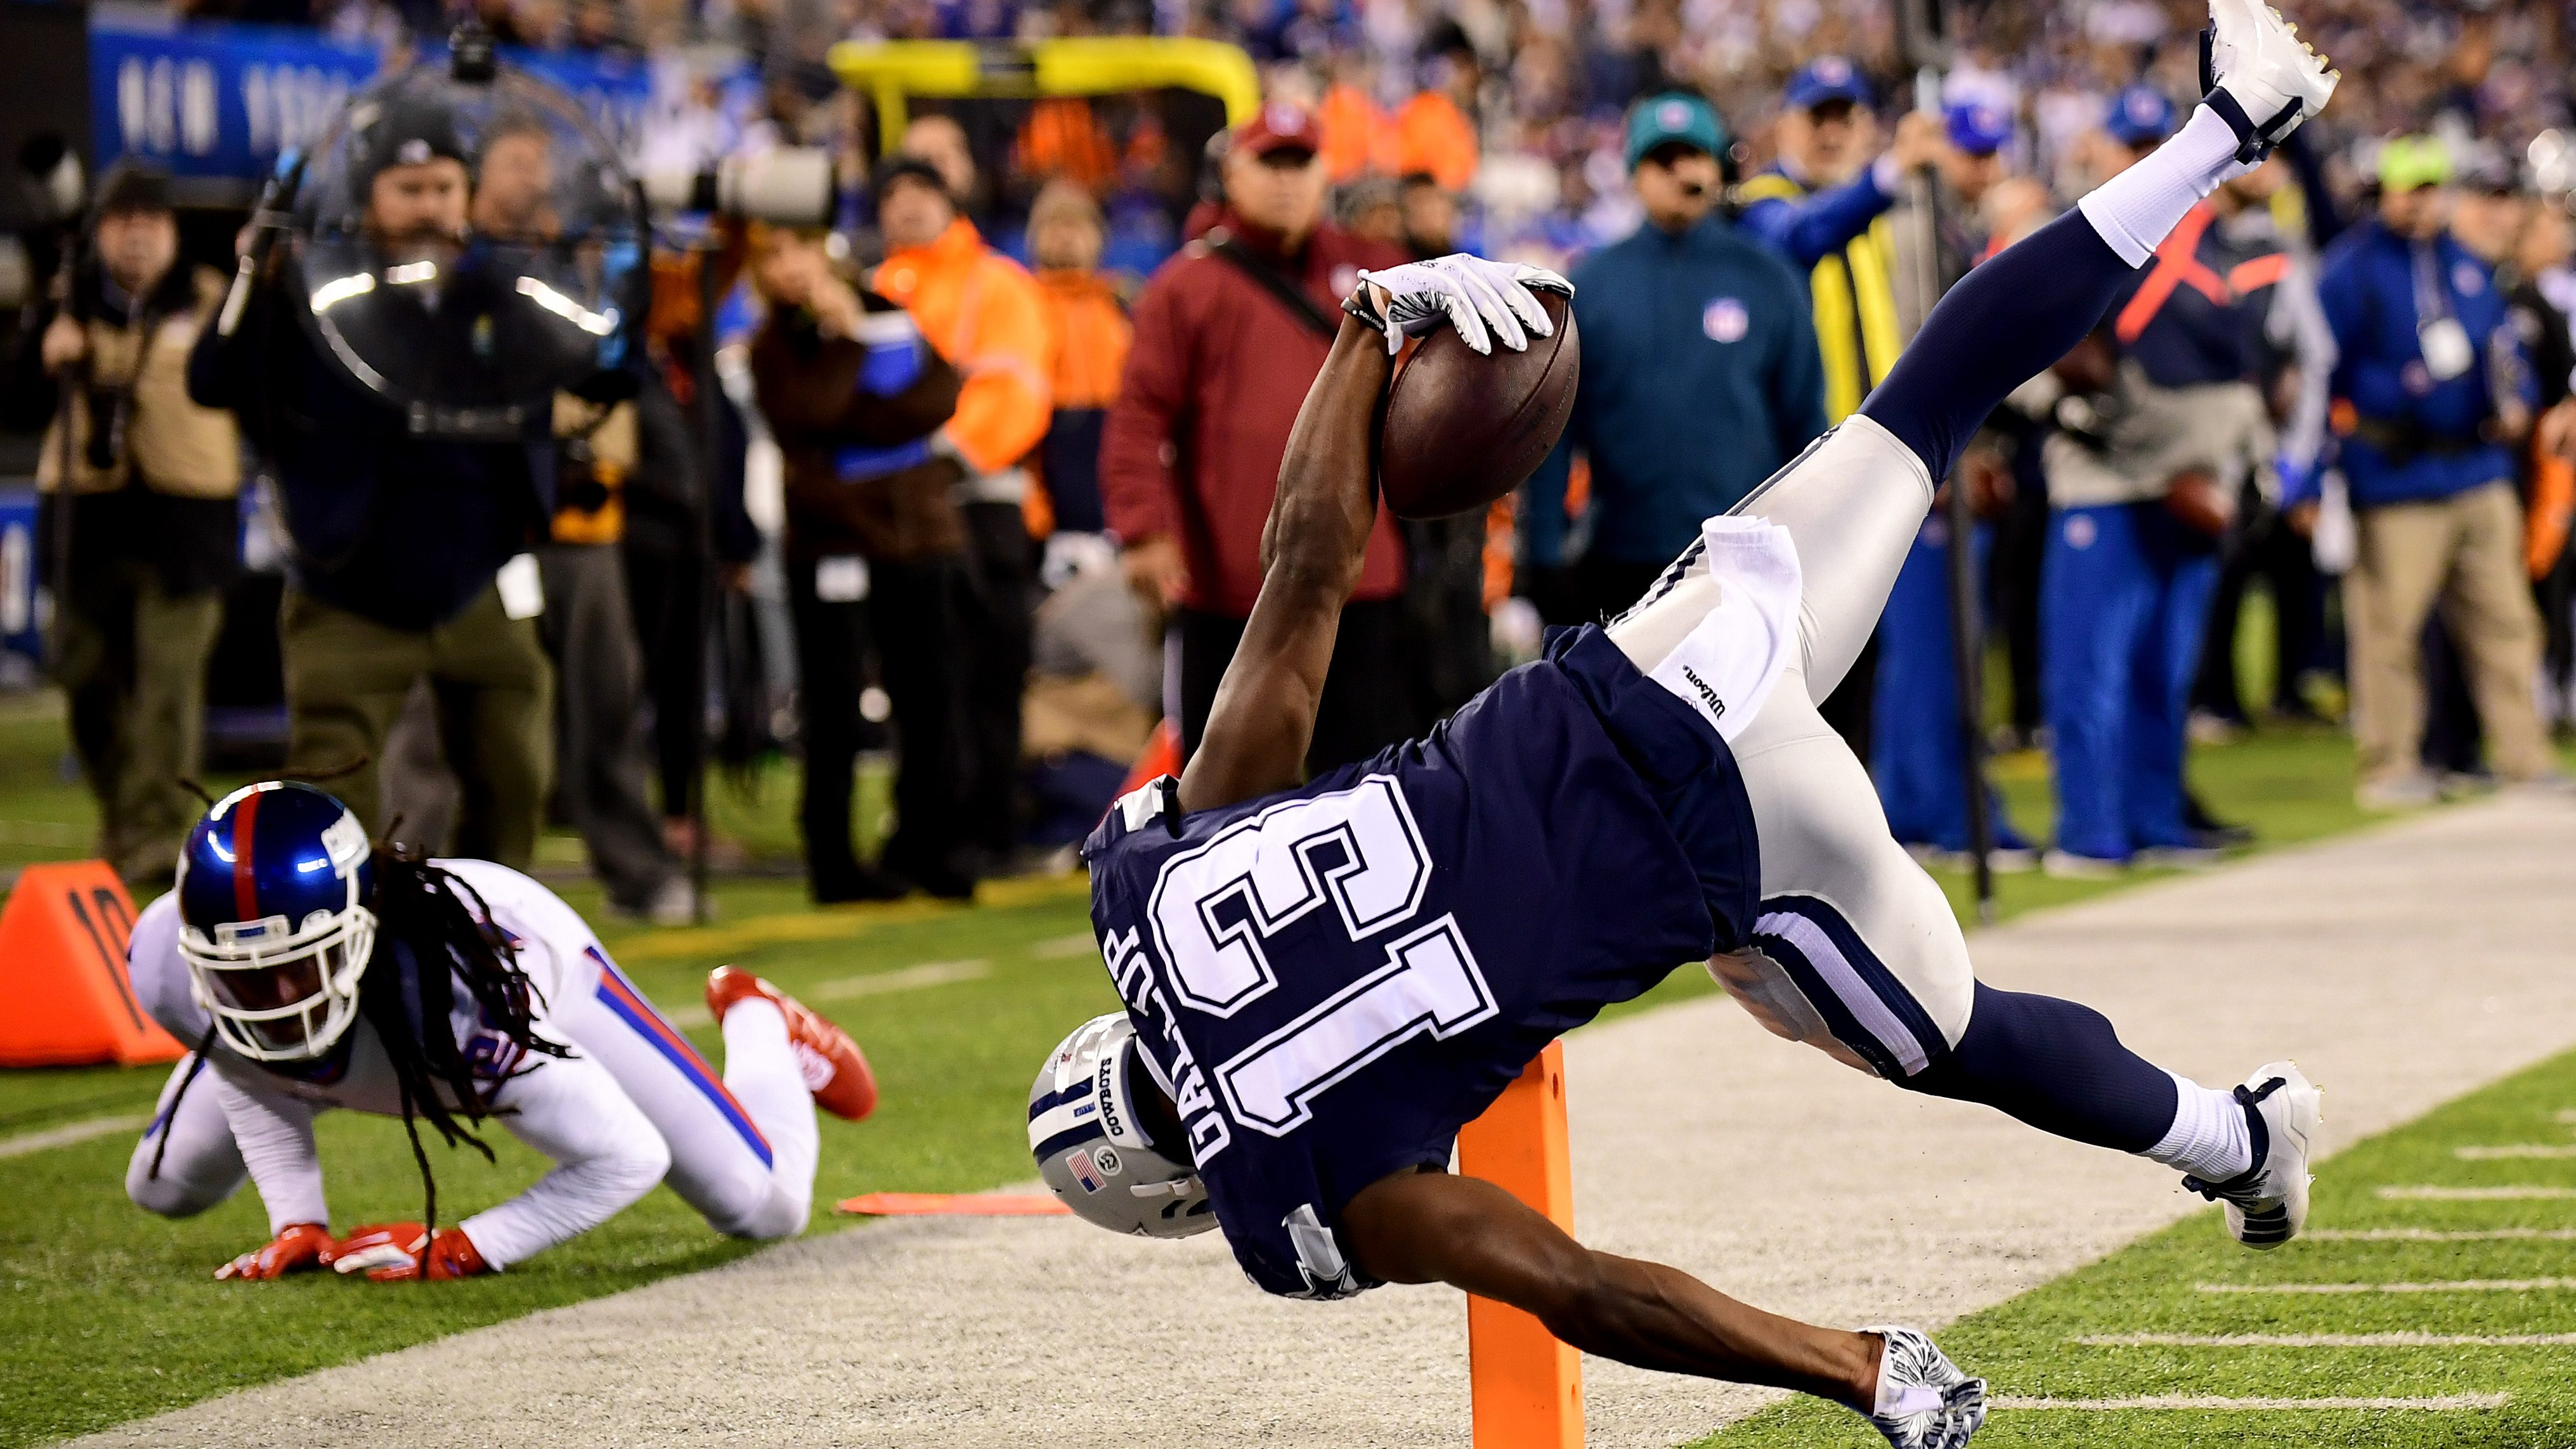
[1826, 78]
[1674, 116]
[1978, 128]
[2139, 115]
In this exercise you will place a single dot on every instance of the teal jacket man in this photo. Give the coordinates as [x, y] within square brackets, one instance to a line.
[1700, 379]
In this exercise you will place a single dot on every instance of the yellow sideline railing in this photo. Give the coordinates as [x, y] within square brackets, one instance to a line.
[891, 72]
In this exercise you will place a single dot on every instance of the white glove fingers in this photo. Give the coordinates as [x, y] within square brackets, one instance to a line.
[1525, 305]
[1499, 314]
[1462, 316]
[1540, 279]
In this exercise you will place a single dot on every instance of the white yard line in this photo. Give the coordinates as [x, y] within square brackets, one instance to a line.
[1059, 948]
[2434, 1403]
[2460, 1285]
[71, 1132]
[2437, 1235]
[851, 988]
[909, 978]
[2326, 1340]
[2505, 1150]
[2432, 1192]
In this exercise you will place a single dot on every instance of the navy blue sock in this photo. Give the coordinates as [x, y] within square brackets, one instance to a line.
[2010, 317]
[2058, 1066]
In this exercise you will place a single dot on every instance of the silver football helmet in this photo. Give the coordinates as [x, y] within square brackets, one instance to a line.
[1091, 1146]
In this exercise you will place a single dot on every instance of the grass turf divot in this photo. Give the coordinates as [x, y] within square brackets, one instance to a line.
[2153, 1363]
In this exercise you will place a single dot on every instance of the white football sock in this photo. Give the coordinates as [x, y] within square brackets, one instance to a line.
[2135, 210]
[762, 1073]
[2209, 1138]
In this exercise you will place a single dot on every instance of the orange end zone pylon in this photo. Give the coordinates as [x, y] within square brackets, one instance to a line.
[62, 954]
[1527, 1387]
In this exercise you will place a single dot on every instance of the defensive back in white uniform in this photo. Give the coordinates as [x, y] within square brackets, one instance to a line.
[630, 1103]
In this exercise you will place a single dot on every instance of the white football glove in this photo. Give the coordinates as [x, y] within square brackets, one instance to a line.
[1483, 300]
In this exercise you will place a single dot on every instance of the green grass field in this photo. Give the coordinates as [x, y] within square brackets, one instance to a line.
[2079, 1339]
[108, 1314]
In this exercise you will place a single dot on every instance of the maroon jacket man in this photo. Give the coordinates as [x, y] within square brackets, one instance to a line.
[1222, 360]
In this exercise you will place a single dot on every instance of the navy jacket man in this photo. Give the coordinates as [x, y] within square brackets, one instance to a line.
[1682, 409]
[2440, 391]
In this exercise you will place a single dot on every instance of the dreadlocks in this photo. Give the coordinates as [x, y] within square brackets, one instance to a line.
[434, 931]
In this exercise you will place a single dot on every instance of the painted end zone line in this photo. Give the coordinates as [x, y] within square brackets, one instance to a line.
[2326, 1340]
[2437, 1403]
[2438, 1235]
[2430, 1193]
[2465, 1285]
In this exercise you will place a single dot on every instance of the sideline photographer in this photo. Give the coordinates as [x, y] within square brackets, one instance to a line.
[154, 520]
[876, 553]
[400, 369]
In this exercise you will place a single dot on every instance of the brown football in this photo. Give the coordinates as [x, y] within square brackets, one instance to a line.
[1461, 430]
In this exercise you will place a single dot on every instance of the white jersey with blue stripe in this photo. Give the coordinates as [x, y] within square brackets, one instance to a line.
[573, 1109]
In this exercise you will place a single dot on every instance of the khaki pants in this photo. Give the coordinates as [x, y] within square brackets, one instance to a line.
[133, 670]
[2464, 555]
[347, 678]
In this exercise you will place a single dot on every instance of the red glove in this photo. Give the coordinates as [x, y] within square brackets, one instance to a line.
[394, 1253]
[298, 1248]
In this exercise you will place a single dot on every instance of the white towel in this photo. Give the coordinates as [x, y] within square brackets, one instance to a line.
[1726, 667]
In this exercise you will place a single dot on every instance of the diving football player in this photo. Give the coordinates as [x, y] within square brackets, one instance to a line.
[1324, 981]
[313, 970]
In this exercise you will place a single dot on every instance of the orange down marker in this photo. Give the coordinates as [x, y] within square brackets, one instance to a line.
[62, 955]
[1527, 1387]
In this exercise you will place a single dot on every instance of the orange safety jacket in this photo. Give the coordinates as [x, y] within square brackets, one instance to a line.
[1434, 136]
[1092, 338]
[984, 314]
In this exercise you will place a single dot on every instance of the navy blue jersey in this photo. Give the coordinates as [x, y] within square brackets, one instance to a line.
[1333, 980]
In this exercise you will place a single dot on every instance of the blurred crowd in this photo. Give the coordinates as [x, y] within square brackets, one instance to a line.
[992, 453]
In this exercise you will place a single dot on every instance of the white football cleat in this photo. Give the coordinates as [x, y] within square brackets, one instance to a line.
[2254, 64]
[2268, 1204]
[1929, 1402]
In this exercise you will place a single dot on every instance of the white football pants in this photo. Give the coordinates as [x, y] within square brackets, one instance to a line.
[742, 1149]
[1856, 951]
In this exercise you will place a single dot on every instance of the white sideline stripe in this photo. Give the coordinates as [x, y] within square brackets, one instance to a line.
[850, 988]
[910, 978]
[1057, 948]
[2514, 1149]
[1858, 999]
[71, 1132]
[2326, 1340]
[2462, 1285]
[2437, 1235]
[2436, 1403]
[2425, 1192]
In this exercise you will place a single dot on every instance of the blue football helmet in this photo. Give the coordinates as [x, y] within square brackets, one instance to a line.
[274, 925]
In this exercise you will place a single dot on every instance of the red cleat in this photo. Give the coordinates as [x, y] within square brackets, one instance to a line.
[835, 1070]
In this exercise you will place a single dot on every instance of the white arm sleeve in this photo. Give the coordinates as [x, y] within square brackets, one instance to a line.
[606, 1155]
[275, 1134]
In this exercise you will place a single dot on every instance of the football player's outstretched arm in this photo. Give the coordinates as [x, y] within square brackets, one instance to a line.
[1317, 537]
[1431, 1226]
[1311, 552]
